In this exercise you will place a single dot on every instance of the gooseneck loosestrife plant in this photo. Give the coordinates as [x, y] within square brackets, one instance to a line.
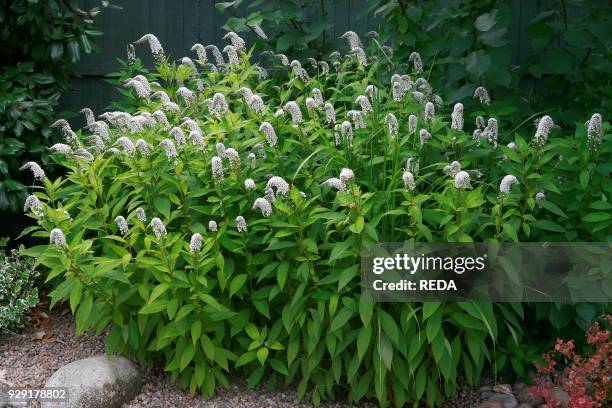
[217, 225]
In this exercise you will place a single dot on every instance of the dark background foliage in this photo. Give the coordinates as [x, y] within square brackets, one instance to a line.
[41, 43]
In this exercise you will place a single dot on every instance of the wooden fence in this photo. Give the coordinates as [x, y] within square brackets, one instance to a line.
[181, 23]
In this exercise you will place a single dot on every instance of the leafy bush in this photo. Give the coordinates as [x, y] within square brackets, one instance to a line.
[41, 42]
[585, 379]
[471, 42]
[293, 25]
[216, 232]
[18, 291]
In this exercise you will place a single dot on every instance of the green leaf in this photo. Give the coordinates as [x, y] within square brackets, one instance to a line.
[547, 225]
[237, 284]
[187, 356]
[262, 355]
[158, 291]
[486, 21]
[163, 205]
[363, 340]
[154, 307]
[341, 318]
[196, 331]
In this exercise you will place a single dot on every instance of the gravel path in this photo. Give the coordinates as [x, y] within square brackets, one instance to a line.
[27, 361]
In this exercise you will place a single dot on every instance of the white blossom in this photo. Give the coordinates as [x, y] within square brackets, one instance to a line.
[249, 184]
[324, 67]
[318, 96]
[137, 86]
[127, 145]
[452, 169]
[143, 147]
[545, 124]
[462, 180]
[232, 54]
[335, 183]
[540, 196]
[162, 95]
[282, 59]
[171, 107]
[188, 62]
[220, 148]
[159, 229]
[233, 157]
[37, 171]
[357, 118]
[278, 183]
[212, 226]
[89, 116]
[311, 105]
[457, 117]
[201, 52]
[418, 96]
[57, 237]
[161, 118]
[169, 148]
[131, 54]
[260, 33]
[346, 130]
[101, 128]
[179, 136]
[252, 160]
[196, 139]
[512, 146]
[507, 183]
[84, 154]
[217, 168]
[236, 40]
[122, 224]
[408, 178]
[195, 244]
[186, 94]
[594, 130]
[216, 54]
[61, 148]
[412, 124]
[415, 58]
[372, 90]
[352, 38]
[257, 104]
[34, 204]
[424, 136]
[279, 112]
[482, 94]
[429, 112]
[269, 133]
[258, 148]
[480, 122]
[219, 105]
[365, 104]
[346, 175]
[140, 214]
[154, 44]
[241, 224]
[330, 113]
[262, 73]
[491, 132]
[263, 205]
[361, 55]
[294, 110]
[392, 124]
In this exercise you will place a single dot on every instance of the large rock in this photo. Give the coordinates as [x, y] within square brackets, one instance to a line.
[506, 400]
[96, 382]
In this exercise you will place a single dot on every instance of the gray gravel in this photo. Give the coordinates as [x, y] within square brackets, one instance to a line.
[28, 362]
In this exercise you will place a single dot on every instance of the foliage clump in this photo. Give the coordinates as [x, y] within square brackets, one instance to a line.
[215, 225]
[18, 291]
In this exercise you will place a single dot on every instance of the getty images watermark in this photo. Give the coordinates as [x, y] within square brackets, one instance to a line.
[505, 272]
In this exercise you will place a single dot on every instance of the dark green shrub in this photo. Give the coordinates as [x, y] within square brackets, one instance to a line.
[468, 43]
[213, 257]
[18, 291]
[41, 42]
